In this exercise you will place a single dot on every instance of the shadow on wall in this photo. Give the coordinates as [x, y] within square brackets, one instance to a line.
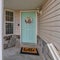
[44, 49]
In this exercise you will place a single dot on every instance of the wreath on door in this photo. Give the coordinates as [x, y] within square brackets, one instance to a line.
[28, 20]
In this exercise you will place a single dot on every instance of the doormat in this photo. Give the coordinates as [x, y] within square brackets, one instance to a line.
[30, 51]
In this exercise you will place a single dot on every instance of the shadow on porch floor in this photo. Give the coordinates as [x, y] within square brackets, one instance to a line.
[14, 54]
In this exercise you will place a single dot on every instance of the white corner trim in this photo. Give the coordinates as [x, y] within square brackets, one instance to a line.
[1, 23]
[53, 52]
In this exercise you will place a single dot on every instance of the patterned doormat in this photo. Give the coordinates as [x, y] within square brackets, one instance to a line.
[30, 51]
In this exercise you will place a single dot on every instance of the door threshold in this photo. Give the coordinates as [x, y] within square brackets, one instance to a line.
[28, 45]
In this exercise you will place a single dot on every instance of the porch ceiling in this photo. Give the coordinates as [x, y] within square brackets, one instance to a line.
[23, 4]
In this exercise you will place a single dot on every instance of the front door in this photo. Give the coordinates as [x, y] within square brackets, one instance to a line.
[28, 27]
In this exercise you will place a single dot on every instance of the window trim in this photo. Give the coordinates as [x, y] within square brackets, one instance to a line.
[8, 21]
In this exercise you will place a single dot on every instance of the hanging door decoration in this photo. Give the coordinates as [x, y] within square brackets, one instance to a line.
[28, 20]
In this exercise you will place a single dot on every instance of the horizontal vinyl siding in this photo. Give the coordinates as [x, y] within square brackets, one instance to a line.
[49, 23]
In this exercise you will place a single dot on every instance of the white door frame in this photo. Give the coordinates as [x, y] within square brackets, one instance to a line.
[20, 23]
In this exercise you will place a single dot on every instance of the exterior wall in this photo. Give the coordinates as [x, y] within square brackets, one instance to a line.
[49, 23]
[16, 22]
[44, 50]
[16, 28]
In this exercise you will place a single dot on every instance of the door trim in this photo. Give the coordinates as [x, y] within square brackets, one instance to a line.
[20, 22]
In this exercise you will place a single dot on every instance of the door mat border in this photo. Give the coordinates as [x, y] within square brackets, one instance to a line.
[29, 53]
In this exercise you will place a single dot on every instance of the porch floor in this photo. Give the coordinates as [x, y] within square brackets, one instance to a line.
[14, 54]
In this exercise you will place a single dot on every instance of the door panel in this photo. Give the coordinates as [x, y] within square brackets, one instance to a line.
[28, 31]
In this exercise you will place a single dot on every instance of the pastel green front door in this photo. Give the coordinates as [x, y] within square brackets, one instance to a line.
[28, 28]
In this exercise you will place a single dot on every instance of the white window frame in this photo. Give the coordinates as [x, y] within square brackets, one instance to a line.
[8, 21]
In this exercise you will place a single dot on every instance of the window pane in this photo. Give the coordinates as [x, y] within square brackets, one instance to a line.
[9, 28]
[9, 16]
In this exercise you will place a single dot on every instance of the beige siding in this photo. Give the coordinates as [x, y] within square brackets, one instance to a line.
[16, 22]
[49, 23]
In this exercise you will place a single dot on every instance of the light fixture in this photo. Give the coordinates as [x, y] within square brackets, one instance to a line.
[39, 11]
